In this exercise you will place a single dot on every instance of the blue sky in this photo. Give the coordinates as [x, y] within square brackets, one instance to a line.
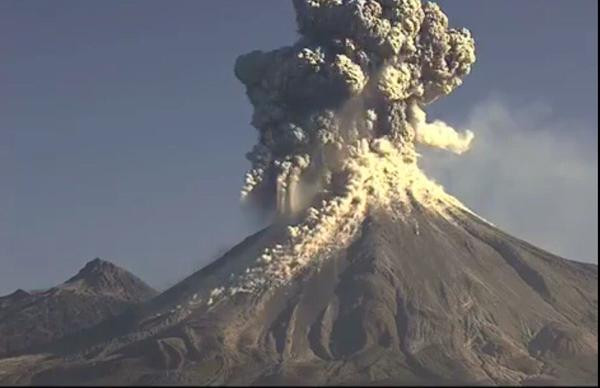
[123, 129]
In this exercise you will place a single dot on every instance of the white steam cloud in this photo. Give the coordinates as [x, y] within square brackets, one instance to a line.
[439, 134]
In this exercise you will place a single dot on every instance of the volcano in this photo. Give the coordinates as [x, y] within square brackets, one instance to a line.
[437, 297]
[370, 273]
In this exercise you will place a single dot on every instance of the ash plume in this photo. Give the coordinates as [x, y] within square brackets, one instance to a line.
[361, 73]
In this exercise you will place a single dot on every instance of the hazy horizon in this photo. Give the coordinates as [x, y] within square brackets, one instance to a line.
[124, 130]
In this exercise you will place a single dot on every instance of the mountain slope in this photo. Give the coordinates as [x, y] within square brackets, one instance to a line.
[430, 300]
[98, 291]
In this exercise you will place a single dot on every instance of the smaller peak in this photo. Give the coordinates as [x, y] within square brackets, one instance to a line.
[101, 276]
[19, 293]
[94, 269]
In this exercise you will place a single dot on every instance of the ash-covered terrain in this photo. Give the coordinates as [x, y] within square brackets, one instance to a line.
[370, 273]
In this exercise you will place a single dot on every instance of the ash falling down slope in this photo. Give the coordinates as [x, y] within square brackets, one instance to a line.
[370, 272]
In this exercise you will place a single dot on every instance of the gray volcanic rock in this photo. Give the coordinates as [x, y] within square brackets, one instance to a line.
[425, 301]
[31, 320]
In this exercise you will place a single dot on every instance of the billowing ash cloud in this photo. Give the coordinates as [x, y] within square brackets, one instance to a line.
[362, 69]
